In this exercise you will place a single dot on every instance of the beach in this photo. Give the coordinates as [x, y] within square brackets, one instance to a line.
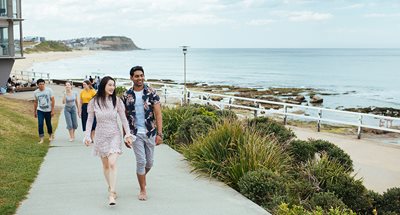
[30, 59]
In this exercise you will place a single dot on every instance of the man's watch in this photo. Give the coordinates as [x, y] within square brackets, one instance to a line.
[160, 134]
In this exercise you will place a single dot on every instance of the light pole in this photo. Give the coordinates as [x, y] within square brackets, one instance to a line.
[184, 49]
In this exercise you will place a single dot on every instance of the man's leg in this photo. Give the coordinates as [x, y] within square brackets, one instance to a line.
[140, 154]
[47, 117]
[40, 117]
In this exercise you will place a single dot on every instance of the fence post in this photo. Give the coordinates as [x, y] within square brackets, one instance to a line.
[188, 97]
[319, 120]
[230, 102]
[359, 130]
[165, 95]
[285, 116]
[256, 111]
[48, 77]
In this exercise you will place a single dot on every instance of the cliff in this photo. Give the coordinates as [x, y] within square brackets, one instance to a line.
[116, 43]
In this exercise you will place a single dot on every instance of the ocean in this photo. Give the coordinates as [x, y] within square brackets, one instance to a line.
[361, 77]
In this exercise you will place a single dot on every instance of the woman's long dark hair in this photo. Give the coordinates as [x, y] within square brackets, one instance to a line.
[101, 93]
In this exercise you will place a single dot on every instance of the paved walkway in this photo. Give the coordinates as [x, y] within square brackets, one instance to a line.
[71, 181]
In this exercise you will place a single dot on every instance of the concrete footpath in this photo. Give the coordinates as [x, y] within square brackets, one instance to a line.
[71, 181]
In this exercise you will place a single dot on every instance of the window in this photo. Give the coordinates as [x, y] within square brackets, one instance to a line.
[3, 8]
[4, 41]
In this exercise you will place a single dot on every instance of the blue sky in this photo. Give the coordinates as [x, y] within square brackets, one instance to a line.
[221, 23]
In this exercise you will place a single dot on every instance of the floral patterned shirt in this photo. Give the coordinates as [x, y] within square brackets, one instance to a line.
[150, 98]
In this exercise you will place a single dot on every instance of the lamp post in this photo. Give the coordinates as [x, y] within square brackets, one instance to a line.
[184, 50]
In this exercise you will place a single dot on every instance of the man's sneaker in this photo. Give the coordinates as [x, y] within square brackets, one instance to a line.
[51, 138]
[41, 140]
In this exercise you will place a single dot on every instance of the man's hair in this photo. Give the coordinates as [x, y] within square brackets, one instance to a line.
[136, 68]
[40, 81]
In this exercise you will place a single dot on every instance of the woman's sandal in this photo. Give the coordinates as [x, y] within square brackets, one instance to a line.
[111, 198]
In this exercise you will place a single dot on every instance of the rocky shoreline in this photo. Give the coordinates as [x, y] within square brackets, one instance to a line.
[292, 95]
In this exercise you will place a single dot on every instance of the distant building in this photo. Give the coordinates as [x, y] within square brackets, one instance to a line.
[10, 33]
[34, 39]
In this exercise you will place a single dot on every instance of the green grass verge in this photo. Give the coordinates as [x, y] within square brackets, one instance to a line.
[20, 155]
[48, 46]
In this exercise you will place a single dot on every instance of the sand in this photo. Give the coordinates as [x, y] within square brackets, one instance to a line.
[27, 63]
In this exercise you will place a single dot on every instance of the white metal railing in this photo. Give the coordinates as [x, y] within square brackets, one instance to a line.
[360, 120]
[28, 75]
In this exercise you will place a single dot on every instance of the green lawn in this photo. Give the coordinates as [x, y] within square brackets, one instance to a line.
[20, 155]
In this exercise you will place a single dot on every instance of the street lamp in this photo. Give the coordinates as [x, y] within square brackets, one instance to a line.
[184, 49]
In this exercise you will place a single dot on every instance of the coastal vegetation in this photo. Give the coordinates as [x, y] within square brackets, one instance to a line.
[48, 46]
[20, 155]
[264, 161]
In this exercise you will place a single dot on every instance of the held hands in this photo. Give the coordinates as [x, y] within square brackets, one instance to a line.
[88, 142]
[128, 140]
[35, 114]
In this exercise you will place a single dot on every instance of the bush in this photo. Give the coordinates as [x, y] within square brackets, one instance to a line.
[193, 127]
[326, 200]
[302, 150]
[390, 202]
[269, 127]
[352, 192]
[330, 176]
[172, 120]
[334, 152]
[284, 209]
[120, 91]
[230, 151]
[262, 186]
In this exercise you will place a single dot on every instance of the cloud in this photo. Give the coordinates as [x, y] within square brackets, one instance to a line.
[303, 16]
[353, 6]
[382, 15]
[260, 22]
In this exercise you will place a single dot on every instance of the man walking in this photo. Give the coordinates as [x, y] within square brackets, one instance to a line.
[143, 110]
[44, 108]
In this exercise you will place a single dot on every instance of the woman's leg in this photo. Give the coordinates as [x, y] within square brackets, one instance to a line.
[112, 164]
[106, 170]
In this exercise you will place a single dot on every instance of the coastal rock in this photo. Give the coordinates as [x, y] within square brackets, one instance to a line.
[384, 111]
[300, 98]
[116, 43]
[316, 100]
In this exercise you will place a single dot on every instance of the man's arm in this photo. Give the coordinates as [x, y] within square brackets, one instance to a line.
[35, 107]
[158, 115]
[52, 105]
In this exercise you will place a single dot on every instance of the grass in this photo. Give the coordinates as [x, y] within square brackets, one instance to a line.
[48, 46]
[20, 155]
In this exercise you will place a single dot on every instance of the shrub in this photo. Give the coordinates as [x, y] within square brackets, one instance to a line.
[326, 200]
[284, 209]
[331, 176]
[120, 91]
[226, 114]
[193, 127]
[268, 127]
[302, 150]
[334, 152]
[390, 202]
[172, 120]
[352, 192]
[262, 186]
[230, 151]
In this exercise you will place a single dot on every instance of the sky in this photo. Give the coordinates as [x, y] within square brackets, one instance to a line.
[220, 23]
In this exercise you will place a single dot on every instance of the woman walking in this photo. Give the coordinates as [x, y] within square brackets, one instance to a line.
[105, 106]
[70, 100]
[86, 95]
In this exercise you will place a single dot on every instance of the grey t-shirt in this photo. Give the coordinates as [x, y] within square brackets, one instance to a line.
[43, 99]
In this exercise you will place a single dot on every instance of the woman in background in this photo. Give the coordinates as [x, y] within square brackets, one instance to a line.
[86, 95]
[70, 100]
